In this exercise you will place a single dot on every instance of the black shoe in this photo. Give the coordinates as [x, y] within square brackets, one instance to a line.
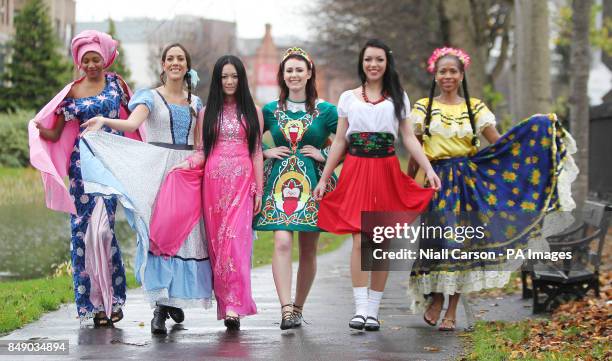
[232, 323]
[357, 322]
[117, 316]
[297, 316]
[158, 323]
[286, 318]
[176, 314]
[372, 324]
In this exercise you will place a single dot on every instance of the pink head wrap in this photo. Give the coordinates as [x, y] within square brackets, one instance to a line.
[92, 40]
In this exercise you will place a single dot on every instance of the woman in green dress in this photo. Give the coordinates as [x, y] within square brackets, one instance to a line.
[300, 125]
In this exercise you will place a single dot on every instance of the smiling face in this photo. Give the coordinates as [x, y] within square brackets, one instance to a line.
[374, 63]
[229, 79]
[449, 74]
[175, 63]
[296, 74]
[92, 64]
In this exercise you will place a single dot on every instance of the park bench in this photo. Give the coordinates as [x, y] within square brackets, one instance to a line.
[553, 283]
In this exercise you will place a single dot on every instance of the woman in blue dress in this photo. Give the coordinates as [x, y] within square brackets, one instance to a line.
[135, 171]
[98, 272]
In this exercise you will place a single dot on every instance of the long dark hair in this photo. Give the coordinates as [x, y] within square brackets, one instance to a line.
[391, 82]
[311, 84]
[466, 95]
[245, 107]
[186, 78]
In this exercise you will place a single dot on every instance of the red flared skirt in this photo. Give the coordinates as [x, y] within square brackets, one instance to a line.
[370, 184]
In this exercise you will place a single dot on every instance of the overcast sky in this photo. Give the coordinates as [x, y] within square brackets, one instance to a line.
[286, 16]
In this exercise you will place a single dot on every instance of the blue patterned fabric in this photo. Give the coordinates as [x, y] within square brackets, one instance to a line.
[507, 188]
[107, 104]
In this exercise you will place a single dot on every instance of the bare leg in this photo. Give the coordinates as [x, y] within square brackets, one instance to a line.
[359, 277]
[281, 265]
[307, 266]
[448, 322]
[433, 311]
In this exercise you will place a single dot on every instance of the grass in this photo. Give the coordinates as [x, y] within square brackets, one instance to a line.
[20, 186]
[25, 301]
[492, 341]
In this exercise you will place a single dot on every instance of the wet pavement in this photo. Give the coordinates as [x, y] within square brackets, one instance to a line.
[327, 337]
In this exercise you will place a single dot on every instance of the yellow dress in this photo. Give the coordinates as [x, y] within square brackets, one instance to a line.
[450, 128]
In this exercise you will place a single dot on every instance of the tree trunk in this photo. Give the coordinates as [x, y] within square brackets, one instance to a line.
[532, 90]
[579, 100]
[465, 30]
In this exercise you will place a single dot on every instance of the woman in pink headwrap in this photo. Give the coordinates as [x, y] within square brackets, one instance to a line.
[98, 273]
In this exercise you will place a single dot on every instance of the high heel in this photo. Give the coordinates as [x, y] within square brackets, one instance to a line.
[286, 318]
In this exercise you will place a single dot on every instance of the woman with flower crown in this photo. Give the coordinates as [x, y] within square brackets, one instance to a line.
[172, 267]
[300, 124]
[506, 188]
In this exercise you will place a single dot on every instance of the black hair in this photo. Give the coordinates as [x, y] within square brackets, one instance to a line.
[311, 84]
[186, 78]
[466, 95]
[391, 83]
[245, 107]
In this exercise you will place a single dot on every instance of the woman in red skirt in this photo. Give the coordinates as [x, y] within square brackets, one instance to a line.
[371, 180]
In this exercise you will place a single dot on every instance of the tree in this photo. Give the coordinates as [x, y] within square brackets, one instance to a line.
[579, 100]
[36, 69]
[119, 65]
[531, 91]
[413, 29]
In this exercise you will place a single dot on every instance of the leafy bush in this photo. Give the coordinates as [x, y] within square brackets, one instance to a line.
[14, 138]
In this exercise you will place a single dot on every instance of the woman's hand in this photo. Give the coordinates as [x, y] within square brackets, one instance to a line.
[433, 179]
[256, 204]
[182, 165]
[92, 124]
[277, 152]
[312, 152]
[319, 190]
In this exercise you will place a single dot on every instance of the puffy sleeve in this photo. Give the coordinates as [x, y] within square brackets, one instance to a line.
[67, 108]
[198, 105]
[482, 115]
[142, 96]
[344, 103]
[268, 115]
[417, 115]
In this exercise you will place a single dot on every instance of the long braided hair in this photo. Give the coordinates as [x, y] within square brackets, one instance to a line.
[186, 78]
[466, 95]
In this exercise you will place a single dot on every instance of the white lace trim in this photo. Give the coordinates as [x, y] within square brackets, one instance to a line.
[455, 129]
[160, 296]
[90, 315]
[449, 283]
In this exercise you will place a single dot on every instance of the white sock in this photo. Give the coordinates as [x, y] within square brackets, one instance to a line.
[374, 303]
[360, 295]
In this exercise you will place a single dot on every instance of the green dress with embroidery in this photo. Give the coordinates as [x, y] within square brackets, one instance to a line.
[287, 199]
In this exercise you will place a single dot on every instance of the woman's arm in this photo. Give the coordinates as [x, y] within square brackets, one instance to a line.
[491, 134]
[338, 149]
[138, 116]
[258, 166]
[412, 145]
[52, 134]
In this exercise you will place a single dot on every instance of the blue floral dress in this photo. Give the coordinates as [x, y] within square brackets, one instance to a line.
[106, 104]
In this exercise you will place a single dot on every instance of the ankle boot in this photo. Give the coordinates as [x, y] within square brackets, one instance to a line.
[158, 323]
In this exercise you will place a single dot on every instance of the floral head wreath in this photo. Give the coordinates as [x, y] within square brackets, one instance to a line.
[463, 57]
[299, 52]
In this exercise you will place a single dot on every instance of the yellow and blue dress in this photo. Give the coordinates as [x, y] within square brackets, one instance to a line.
[511, 189]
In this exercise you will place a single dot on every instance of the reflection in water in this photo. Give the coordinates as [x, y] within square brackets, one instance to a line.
[34, 239]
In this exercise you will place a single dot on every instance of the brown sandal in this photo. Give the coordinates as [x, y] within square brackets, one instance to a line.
[427, 320]
[451, 321]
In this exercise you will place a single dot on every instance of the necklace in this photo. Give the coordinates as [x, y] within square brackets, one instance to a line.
[365, 97]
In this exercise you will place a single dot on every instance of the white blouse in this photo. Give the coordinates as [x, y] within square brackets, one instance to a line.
[367, 117]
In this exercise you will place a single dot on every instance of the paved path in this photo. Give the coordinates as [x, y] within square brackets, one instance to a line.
[327, 337]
